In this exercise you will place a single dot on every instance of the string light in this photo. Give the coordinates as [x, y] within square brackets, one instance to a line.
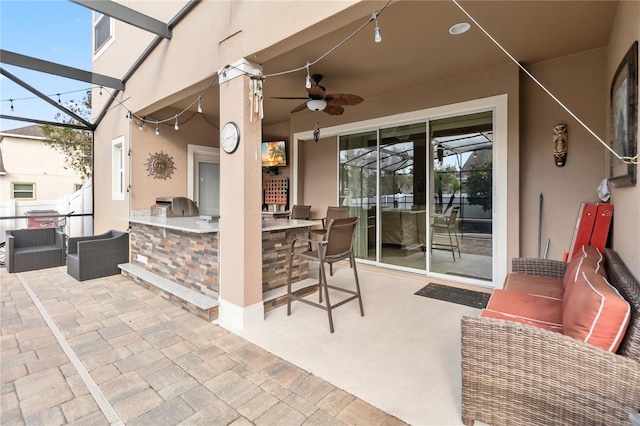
[377, 37]
[307, 83]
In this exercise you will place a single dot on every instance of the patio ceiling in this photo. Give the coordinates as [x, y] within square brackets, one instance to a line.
[416, 48]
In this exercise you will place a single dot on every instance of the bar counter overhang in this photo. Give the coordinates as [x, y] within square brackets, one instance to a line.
[178, 257]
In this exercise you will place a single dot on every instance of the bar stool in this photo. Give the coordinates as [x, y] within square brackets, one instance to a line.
[336, 245]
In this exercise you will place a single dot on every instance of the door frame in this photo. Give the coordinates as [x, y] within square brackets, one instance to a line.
[503, 187]
[194, 151]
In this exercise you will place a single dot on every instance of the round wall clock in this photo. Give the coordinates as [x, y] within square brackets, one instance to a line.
[230, 137]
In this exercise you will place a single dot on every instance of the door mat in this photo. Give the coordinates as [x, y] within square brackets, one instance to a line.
[461, 296]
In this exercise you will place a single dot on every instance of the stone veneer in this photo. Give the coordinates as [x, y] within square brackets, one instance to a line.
[275, 258]
[188, 259]
[191, 260]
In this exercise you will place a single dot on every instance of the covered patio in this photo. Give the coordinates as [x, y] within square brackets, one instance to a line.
[149, 361]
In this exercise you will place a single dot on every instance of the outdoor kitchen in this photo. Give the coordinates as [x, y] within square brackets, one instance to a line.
[175, 251]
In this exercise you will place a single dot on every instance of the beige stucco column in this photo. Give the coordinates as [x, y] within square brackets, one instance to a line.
[240, 206]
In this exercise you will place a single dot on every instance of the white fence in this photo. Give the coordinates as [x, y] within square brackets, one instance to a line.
[80, 202]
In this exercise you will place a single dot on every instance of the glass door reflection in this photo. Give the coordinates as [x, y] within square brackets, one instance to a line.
[461, 237]
[402, 163]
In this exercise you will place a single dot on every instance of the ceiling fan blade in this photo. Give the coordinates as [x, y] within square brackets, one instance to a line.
[289, 97]
[344, 99]
[333, 109]
[300, 107]
[317, 91]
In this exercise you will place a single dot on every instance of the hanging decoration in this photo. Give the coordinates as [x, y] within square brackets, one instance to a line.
[256, 99]
[160, 165]
[316, 132]
[560, 144]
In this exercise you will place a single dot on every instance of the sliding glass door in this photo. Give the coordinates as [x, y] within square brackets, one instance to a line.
[424, 199]
[402, 165]
[461, 224]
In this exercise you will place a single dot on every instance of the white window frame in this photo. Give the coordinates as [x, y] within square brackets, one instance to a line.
[97, 18]
[195, 153]
[501, 185]
[13, 190]
[118, 177]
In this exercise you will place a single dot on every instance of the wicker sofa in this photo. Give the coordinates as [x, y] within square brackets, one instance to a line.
[97, 256]
[514, 373]
[31, 249]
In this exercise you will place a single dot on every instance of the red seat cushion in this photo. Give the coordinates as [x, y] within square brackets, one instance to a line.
[531, 306]
[486, 313]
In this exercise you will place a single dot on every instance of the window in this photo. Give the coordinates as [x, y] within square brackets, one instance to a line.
[103, 28]
[117, 168]
[23, 191]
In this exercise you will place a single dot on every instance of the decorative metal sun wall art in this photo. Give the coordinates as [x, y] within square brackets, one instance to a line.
[160, 165]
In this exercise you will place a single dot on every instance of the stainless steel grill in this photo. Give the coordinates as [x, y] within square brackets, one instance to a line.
[174, 207]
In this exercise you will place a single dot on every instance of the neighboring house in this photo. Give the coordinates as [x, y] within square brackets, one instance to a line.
[31, 170]
[414, 82]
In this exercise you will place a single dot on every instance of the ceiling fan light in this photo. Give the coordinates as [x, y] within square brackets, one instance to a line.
[316, 104]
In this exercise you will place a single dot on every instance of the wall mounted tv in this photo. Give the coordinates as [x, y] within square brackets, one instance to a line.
[274, 154]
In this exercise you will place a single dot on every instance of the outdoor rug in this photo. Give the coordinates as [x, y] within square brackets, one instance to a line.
[461, 296]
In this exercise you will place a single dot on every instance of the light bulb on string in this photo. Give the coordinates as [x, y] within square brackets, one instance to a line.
[176, 125]
[59, 101]
[157, 130]
[307, 82]
[141, 123]
[100, 90]
[199, 105]
[11, 100]
[377, 37]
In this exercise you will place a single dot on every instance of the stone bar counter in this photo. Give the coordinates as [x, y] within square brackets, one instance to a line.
[178, 257]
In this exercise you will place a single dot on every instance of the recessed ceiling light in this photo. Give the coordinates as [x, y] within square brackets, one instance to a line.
[459, 28]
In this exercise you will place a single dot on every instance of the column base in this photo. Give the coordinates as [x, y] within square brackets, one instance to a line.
[237, 318]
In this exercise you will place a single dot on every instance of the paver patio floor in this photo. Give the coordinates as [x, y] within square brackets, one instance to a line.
[138, 359]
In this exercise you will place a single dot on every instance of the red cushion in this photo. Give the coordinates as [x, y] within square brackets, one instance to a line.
[538, 308]
[540, 285]
[595, 312]
[485, 313]
[588, 258]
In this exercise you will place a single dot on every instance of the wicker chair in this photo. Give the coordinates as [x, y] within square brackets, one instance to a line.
[97, 256]
[514, 374]
[31, 249]
[336, 245]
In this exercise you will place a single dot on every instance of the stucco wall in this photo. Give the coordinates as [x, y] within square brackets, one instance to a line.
[579, 82]
[626, 222]
[323, 157]
[31, 161]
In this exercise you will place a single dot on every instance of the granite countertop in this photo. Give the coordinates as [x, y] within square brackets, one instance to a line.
[186, 224]
[195, 225]
[280, 224]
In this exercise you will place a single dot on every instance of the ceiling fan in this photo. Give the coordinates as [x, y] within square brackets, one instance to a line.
[319, 100]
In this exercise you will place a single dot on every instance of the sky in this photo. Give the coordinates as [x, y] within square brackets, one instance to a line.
[52, 30]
